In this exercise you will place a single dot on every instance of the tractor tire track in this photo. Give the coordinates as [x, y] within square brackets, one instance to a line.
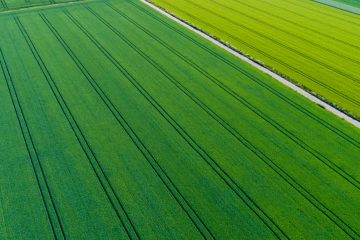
[331, 89]
[55, 224]
[79, 135]
[300, 25]
[3, 3]
[278, 43]
[314, 19]
[258, 81]
[248, 105]
[328, 14]
[265, 159]
[211, 162]
[173, 189]
[336, 53]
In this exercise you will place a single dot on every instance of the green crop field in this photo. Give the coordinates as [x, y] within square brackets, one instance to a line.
[346, 5]
[310, 43]
[6, 5]
[355, 3]
[118, 123]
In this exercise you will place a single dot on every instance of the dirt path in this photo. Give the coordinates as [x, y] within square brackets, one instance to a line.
[261, 68]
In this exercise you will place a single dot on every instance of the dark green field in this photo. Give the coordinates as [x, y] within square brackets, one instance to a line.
[350, 6]
[118, 123]
[6, 5]
[354, 3]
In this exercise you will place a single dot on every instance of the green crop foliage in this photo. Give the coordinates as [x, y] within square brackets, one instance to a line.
[348, 6]
[310, 43]
[354, 3]
[6, 5]
[118, 123]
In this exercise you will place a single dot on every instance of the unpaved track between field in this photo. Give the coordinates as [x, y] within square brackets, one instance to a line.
[258, 66]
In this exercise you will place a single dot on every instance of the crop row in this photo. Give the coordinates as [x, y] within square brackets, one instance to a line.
[291, 37]
[159, 135]
[6, 5]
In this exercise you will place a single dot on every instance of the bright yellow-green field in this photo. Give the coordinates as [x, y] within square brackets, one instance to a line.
[119, 123]
[314, 45]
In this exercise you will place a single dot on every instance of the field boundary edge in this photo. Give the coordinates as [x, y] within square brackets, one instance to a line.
[255, 64]
[42, 6]
[340, 6]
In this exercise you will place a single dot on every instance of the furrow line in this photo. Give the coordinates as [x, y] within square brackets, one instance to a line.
[265, 159]
[3, 3]
[79, 134]
[344, 7]
[248, 105]
[257, 80]
[40, 177]
[327, 13]
[211, 162]
[335, 70]
[333, 90]
[313, 19]
[339, 54]
[170, 185]
[299, 25]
